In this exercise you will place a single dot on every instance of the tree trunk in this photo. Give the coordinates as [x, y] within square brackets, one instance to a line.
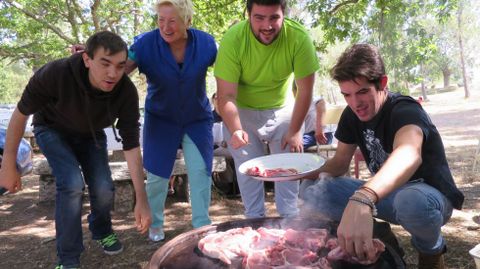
[424, 91]
[331, 96]
[136, 17]
[446, 77]
[423, 87]
[460, 44]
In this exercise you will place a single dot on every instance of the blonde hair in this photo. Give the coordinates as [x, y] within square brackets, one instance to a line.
[183, 7]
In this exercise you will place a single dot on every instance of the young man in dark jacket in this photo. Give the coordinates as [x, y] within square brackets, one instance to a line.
[73, 100]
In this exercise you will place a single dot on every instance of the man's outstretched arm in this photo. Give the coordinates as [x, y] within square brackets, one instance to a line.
[143, 217]
[9, 175]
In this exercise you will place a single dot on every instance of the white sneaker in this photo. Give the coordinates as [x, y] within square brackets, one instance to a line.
[156, 234]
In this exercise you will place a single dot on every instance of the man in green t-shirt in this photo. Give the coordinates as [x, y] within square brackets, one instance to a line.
[254, 67]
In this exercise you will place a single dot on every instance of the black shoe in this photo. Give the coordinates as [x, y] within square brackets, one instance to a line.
[111, 245]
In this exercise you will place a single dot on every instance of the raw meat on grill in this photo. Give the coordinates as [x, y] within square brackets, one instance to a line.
[230, 244]
[337, 253]
[259, 171]
[312, 239]
[278, 248]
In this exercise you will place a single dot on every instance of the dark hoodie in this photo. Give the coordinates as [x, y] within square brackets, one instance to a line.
[61, 97]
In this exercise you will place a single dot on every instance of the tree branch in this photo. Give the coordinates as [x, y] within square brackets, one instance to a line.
[14, 55]
[78, 11]
[93, 10]
[339, 6]
[55, 29]
[215, 7]
[71, 18]
[136, 16]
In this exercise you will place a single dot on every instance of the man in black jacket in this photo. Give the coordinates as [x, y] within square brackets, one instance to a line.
[73, 100]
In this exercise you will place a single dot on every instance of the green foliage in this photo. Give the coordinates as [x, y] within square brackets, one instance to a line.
[13, 78]
[415, 36]
[402, 89]
[339, 21]
[38, 31]
[215, 17]
[395, 26]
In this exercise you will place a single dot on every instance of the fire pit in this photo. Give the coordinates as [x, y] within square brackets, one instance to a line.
[182, 252]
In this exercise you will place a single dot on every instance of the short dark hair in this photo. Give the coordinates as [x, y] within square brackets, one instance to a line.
[282, 3]
[360, 60]
[111, 42]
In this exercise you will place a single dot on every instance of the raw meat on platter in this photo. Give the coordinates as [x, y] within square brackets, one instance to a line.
[278, 248]
[258, 171]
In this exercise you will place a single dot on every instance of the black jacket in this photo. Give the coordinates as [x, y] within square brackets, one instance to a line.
[61, 97]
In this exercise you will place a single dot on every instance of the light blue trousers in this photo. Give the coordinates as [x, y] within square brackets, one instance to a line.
[199, 186]
[418, 207]
[264, 127]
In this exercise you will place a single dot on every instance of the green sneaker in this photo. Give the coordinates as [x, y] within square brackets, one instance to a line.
[59, 266]
[111, 245]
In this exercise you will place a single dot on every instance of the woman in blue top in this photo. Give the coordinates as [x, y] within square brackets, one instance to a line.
[175, 59]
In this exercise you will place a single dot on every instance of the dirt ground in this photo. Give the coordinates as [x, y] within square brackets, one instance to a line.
[27, 231]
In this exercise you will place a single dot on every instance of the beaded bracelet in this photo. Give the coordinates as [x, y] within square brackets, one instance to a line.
[360, 192]
[365, 202]
[370, 191]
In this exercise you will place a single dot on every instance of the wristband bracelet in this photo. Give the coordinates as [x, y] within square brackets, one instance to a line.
[365, 202]
[369, 190]
[362, 193]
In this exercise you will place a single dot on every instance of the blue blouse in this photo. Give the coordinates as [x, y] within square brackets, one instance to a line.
[176, 102]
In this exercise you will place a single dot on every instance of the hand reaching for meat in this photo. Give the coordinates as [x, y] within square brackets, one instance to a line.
[338, 253]
[355, 231]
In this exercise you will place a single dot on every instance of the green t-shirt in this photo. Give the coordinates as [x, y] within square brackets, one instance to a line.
[264, 72]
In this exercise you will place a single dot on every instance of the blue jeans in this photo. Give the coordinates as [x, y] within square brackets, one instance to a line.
[418, 207]
[65, 155]
[309, 139]
[199, 183]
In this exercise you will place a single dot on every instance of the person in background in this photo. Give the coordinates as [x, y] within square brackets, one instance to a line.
[254, 68]
[226, 181]
[216, 116]
[73, 100]
[220, 146]
[175, 59]
[411, 183]
[315, 130]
